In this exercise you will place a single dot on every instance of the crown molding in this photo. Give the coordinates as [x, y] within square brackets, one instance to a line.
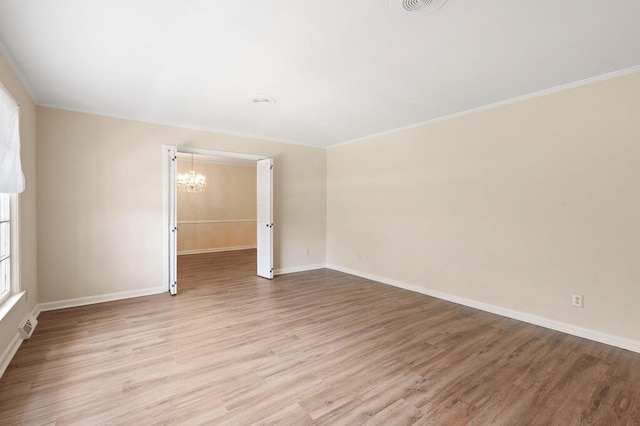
[19, 75]
[494, 105]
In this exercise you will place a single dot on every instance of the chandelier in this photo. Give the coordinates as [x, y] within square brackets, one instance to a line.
[191, 181]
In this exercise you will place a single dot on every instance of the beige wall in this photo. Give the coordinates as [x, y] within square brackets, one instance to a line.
[100, 201]
[224, 215]
[519, 206]
[28, 267]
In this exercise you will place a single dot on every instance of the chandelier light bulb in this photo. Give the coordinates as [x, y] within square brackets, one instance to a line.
[191, 181]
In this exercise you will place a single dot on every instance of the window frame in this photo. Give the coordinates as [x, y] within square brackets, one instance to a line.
[14, 291]
[14, 248]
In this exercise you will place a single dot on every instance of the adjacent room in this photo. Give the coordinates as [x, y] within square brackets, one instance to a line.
[216, 213]
[365, 212]
[220, 216]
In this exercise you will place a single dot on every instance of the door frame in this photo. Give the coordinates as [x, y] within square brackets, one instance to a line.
[169, 202]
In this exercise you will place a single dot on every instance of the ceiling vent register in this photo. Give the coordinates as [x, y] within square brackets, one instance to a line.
[27, 327]
[421, 6]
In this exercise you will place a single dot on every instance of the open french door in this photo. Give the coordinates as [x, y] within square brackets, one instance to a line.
[264, 211]
[265, 217]
[173, 223]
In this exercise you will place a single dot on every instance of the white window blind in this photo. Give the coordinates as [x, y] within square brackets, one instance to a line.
[11, 177]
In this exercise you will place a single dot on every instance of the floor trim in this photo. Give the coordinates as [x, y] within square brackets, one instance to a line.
[284, 271]
[215, 250]
[609, 339]
[8, 353]
[90, 300]
[14, 345]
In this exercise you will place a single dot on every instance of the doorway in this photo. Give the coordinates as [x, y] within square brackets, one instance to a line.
[264, 213]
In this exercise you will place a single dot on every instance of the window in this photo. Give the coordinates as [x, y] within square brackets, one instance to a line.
[11, 183]
[5, 245]
[11, 176]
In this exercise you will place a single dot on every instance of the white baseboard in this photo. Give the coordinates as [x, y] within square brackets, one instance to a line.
[294, 269]
[215, 250]
[598, 336]
[7, 355]
[14, 345]
[10, 351]
[36, 310]
[90, 300]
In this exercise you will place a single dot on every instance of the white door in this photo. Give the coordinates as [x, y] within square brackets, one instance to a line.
[173, 224]
[265, 218]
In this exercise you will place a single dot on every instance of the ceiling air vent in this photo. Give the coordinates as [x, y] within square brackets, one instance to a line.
[414, 6]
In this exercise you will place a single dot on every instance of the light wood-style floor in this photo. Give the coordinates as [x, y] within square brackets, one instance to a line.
[318, 347]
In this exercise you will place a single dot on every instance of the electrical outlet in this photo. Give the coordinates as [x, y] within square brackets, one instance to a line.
[577, 300]
[307, 252]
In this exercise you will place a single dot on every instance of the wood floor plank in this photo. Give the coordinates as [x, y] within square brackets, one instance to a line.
[318, 347]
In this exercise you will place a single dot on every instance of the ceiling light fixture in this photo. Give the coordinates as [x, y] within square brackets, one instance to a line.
[257, 99]
[415, 6]
[191, 181]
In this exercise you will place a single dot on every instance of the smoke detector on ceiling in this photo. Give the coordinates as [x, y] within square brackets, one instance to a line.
[258, 99]
[423, 7]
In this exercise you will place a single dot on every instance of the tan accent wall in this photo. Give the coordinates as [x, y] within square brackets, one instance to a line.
[28, 237]
[100, 197]
[519, 206]
[222, 217]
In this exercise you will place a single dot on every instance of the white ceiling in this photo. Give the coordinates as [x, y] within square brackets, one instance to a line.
[339, 70]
